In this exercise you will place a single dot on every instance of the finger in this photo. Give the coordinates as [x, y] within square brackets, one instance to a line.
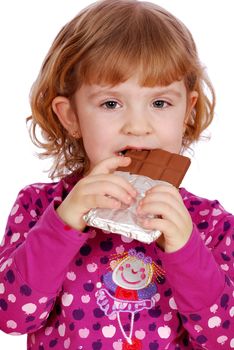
[106, 188]
[168, 198]
[173, 238]
[115, 179]
[165, 188]
[109, 165]
[161, 209]
[99, 201]
[162, 225]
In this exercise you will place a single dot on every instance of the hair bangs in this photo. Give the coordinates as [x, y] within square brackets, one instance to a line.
[152, 68]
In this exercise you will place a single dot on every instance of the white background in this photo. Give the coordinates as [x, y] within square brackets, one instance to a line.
[27, 29]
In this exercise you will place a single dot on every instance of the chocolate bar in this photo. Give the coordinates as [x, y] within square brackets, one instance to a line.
[158, 165]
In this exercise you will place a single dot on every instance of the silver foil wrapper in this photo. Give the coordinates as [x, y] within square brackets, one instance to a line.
[124, 220]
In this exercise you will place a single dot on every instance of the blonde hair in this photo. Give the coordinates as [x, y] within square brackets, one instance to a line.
[108, 42]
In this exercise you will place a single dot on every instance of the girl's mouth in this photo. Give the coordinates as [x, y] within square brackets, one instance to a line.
[123, 152]
[133, 149]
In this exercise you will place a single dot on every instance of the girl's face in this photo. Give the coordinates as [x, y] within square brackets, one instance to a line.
[128, 116]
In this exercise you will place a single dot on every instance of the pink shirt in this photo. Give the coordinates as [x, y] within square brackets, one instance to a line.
[69, 290]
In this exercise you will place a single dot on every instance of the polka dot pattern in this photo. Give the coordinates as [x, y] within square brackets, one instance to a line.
[61, 312]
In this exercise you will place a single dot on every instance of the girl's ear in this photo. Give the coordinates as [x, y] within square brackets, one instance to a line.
[192, 100]
[62, 107]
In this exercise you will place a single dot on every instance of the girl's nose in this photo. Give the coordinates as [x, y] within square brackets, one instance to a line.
[137, 124]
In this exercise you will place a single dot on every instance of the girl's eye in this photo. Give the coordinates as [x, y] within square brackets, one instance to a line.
[160, 104]
[110, 105]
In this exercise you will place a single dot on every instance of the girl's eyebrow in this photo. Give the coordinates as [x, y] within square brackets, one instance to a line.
[103, 92]
[169, 91]
[157, 91]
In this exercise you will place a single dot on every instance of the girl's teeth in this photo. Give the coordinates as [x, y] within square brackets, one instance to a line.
[122, 153]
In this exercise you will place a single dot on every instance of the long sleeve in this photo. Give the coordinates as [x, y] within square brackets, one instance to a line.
[34, 258]
[201, 275]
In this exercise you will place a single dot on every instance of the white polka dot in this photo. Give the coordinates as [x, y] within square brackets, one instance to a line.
[12, 298]
[92, 267]
[222, 339]
[204, 212]
[118, 345]
[83, 333]
[228, 241]
[214, 308]
[126, 239]
[216, 212]
[2, 288]
[231, 312]
[98, 284]
[208, 240]
[214, 322]
[67, 299]
[108, 331]
[167, 317]
[67, 343]
[224, 267]
[71, 276]
[43, 300]
[198, 328]
[11, 324]
[157, 297]
[164, 332]
[14, 209]
[2, 242]
[140, 334]
[48, 330]
[33, 213]
[19, 219]
[43, 315]
[15, 237]
[62, 329]
[26, 234]
[85, 299]
[7, 263]
[172, 304]
[232, 343]
[29, 308]
[120, 249]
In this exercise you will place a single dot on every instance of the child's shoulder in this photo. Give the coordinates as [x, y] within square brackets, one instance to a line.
[48, 191]
[201, 205]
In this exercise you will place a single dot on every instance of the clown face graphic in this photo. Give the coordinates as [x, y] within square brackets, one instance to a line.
[132, 273]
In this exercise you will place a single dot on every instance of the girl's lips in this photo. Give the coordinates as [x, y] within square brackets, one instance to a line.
[123, 151]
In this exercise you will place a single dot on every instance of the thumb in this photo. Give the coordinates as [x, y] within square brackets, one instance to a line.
[109, 165]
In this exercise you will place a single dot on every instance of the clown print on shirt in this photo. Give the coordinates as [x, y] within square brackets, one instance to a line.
[129, 287]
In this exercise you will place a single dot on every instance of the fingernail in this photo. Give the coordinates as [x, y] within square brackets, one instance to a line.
[129, 199]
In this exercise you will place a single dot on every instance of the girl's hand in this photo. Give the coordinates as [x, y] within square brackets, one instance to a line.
[171, 216]
[100, 189]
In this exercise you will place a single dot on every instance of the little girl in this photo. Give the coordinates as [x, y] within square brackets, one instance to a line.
[123, 74]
